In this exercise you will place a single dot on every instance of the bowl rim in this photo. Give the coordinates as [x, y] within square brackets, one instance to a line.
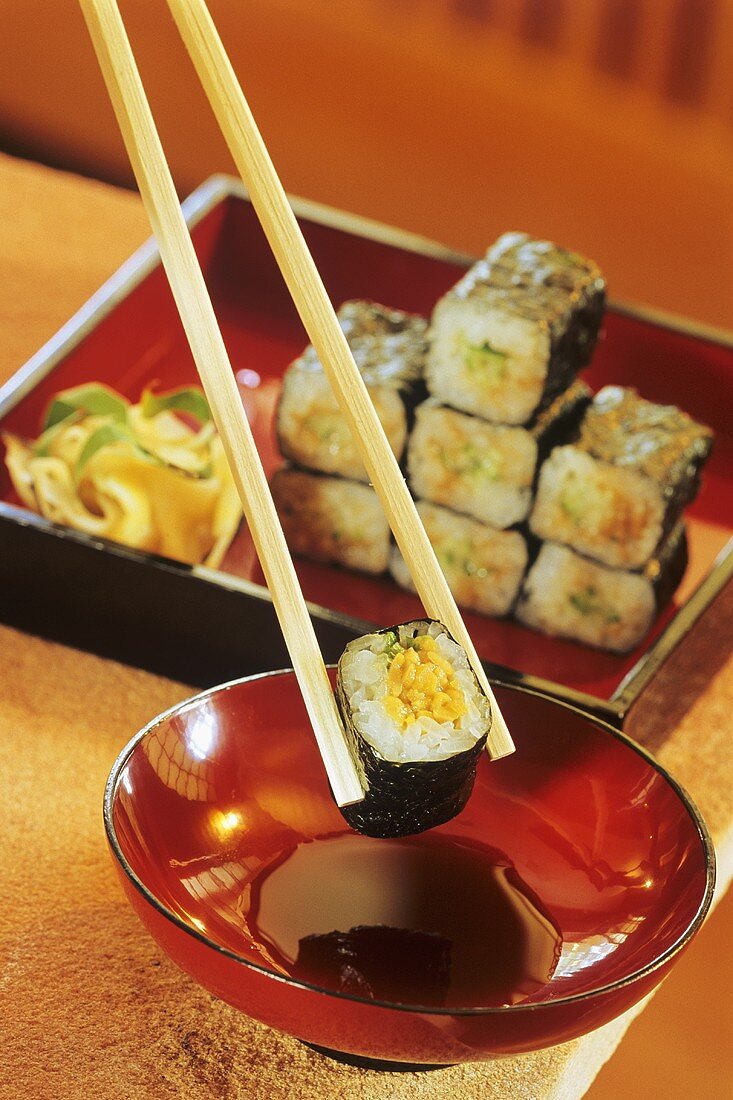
[708, 849]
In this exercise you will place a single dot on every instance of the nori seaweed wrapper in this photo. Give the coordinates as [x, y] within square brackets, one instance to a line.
[406, 798]
[667, 567]
[558, 419]
[388, 345]
[562, 290]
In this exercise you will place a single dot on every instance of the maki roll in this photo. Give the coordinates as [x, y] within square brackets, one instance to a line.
[330, 519]
[418, 720]
[620, 488]
[515, 330]
[569, 596]
[486, 470]
[389, 349]
[484, 567]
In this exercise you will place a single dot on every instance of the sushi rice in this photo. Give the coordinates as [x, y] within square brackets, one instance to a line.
[313, 431]
[332, 519]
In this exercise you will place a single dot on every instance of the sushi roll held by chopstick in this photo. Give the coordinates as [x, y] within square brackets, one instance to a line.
[515, 330]
[418, 721]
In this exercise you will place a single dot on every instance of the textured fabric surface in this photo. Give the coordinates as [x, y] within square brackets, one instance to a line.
[88, 1005]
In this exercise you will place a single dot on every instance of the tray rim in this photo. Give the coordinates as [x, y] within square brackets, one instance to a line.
[216, 189]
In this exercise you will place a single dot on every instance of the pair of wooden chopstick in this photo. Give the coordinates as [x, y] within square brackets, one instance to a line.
[309, 295]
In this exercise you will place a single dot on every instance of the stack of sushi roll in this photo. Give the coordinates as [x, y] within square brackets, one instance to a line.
[328, 510]
[539, 499]
[609, 506]
[505, 345]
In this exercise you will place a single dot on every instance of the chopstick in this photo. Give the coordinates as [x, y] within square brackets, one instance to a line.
[194, 306]
[311, 300]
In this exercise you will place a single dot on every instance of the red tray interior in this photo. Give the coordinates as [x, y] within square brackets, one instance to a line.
[141, 341]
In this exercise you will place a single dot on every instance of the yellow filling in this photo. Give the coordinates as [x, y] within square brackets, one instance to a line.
[422, 684]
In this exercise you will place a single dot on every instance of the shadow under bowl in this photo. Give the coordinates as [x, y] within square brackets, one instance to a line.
[555, 901]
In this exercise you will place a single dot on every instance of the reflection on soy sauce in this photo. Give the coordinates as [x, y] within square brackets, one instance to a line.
[428, 920]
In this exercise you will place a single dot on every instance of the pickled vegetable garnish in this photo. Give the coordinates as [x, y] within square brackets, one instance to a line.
[151, 475]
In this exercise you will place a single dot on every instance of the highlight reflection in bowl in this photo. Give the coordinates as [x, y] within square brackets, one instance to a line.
[558, 898]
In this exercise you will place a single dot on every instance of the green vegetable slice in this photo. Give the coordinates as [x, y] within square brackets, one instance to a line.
[92, 400]
[107, 434]
[468, 460]
[485, 359]
[323, 426]
[587, 603]
[573, 502]
[188, 399]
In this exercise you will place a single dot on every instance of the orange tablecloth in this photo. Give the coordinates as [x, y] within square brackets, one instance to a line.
[88, 1005]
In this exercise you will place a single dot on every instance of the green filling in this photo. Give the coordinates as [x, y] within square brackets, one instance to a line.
[324, 427]
[460, 556]
[393, 646]
[471, 461]
[485, 360]
[587, 603]
[573, 502]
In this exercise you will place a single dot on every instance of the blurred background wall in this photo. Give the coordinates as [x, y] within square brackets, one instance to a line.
[604, 124]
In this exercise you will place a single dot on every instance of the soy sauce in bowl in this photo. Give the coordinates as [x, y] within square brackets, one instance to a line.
[425, 920]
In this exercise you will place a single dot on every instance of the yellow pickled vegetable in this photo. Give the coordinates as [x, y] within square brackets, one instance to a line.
[138, 474]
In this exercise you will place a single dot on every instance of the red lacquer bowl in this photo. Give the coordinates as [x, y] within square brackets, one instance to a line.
[230, 783]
